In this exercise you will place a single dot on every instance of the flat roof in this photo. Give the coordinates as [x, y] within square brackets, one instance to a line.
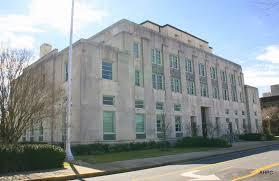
[147, 21]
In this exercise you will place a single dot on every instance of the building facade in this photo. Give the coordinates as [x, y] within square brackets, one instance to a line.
[129, 75]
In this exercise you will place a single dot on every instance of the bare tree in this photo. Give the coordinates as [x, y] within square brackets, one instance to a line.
[165, 127]
[27, 96]
[212, 129]
[270, 117]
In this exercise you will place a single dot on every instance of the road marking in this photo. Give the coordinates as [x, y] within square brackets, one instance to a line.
[179, 171]
[199, 177]
[257, 171]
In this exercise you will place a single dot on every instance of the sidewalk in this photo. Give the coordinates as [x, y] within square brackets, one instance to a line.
[89, 170]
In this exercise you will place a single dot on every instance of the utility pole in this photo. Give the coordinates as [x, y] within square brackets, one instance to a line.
[69, 155]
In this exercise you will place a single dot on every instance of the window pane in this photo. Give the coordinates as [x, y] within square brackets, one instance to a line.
[137, 78]
[108, 100]
[66, 72]
[159, 123]
[136, 50]
[139, 104]
[160, 82]
[159, 105]
[177, 107]
[140, 123]
[158, 57]
[108, 122]
[177, 123]
[107, 70]
[154, 81]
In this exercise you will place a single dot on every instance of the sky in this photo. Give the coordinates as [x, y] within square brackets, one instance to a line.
[243, 31]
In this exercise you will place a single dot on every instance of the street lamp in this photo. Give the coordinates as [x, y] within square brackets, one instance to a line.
[69, 155]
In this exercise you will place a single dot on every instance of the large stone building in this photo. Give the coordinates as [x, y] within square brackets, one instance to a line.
[128, 75]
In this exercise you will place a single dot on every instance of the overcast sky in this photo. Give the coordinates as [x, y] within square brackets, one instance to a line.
[243, 31]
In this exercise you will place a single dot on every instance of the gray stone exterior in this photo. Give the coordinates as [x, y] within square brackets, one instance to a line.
[115, 45]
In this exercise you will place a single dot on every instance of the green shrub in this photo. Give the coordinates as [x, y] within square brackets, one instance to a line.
[25, 157]
[201, 142]
[98, 148]
[256, 137]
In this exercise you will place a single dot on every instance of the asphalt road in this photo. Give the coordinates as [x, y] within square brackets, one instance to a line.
[257, 164]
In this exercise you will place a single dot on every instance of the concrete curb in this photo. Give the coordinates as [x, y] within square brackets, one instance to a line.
[109, 172]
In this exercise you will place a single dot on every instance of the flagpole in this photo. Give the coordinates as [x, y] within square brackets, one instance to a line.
[69, 155]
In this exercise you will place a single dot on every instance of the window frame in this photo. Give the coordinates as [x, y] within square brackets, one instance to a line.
[139, 104]
[112, 99]
[107, 74]
[136, 123]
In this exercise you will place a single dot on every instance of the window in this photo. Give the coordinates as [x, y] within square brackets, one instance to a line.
[215, 92]
[107, 70]
[32, 133]
[178, 123]
[202, 70]
[189, 66]
[234, 94]
[24, 135]
[108, 125]
[66, 72]
[191, 88]
[159, 122]
[174, 61]
[137, 78]
[236, 112]
[136, 48]
[175, 85]
[140, 123]
[158, 81]
[177, 107]
[139, 104]
[255, 113]
[243, 112]
[213, 73]
[203, 90]
[108, 100]
[227, 111]
[156, 56]
[224, 76]
[233, 79]
[225, 94]
[41, 132]
[159, 106]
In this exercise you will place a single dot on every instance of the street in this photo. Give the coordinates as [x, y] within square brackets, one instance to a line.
[256, 164]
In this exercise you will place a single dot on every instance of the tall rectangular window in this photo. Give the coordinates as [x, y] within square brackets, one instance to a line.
[178, 124]
[66, 71]
[137, 78]
[156, 56]
[204, 90]
[191, 89]
[107, 70]
[175, 85]
[189, 66]
[215, 92]
[202, 70]
[108, 100]
[225, 94]
[108, 125]
[224, 76]
[136, 49]
[174, 63]
[140, 128]
[213, 73]
[159, 106]
[139, 104]
[41, 132]
[158, 81]
[159, 123]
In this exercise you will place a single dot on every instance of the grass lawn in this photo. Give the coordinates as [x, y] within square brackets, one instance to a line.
[111, 157]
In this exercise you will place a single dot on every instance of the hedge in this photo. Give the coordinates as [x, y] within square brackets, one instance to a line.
[201, 142]
[99, 148]
[256, 137]
[25, 157]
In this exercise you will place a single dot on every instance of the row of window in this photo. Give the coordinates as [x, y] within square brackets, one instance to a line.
[109, 100]
[161, 124]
